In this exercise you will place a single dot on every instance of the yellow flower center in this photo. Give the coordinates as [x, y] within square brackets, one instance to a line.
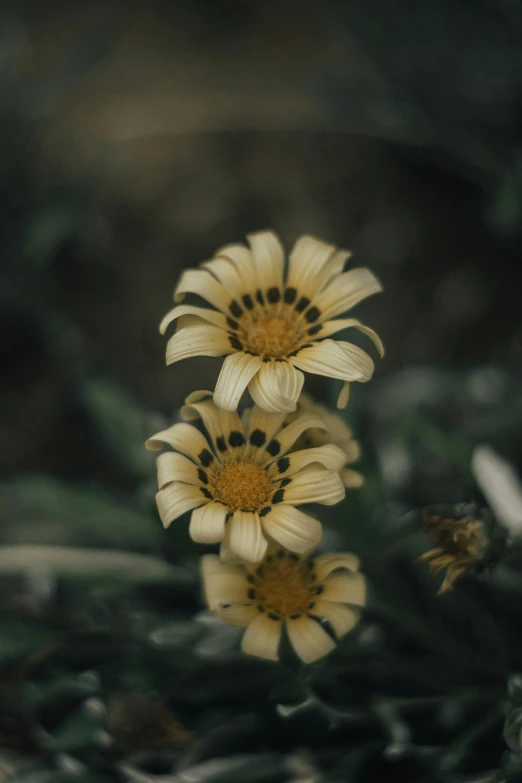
[284, 585]
[243, 485]
[272, 337]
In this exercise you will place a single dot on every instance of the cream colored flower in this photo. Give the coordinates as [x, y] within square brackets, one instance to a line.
[243, 487]
[273, 323]
[286, 589]
[335, 430]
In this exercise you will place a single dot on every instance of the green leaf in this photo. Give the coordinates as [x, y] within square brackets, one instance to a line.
[120, 424]
[43, 510]
[99, 564]
[84, 728]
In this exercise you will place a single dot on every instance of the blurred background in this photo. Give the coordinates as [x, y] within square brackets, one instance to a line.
[135, 139]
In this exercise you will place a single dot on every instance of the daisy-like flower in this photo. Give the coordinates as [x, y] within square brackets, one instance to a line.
[272, 323]
[285, 589]
[244, 485]
[335, 430]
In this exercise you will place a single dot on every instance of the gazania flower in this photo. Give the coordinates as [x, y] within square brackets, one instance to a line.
[335, 430]
[287, 590]
[461, 545]
[270, 324]
[244, 485]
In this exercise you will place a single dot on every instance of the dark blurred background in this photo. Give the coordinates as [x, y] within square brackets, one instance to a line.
[135, 139]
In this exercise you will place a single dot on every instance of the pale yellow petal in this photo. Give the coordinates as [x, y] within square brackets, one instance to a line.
[262, 638]
[346, 588]
[237, 614]
[351, 448]
[207, 524]
[333, 268]
[184, 438]
[331, 327]
[269, 258]
[344, 395]
[283, 440]
[259, 428]
[242, 257]
[292, 528]
[218, 423]
[246, 536]
[309, 639]
[346, 291]
[176, 499]
[352, 479]
[223, 584]
[314, 486]
[276, 387]
[226, 272]
[236, 373]
[203, 313]
[172, 466]
[330, 456]
[307, 260]
[325, 564]
[341, 618]
[202, 283]
[203, 340]
[335, 359]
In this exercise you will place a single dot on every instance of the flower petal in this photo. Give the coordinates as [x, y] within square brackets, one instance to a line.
[352, 478]
[259, 428]
[345, 588]
[176, 499]
[345, 291]
[226, 272]
[314, 486]
[203, 340]
[333, 268]
[262, 638]
[175, 467]
[204, 313]
[202, 283]
[243, 259]
[246, 536]
[330, 456]
[276, 387]
[330, 327]
[325, 564]
[291, 528]
[236, 373]
[285, 438]
[269, 258]
[332, 359]
[341, 618]
[309, 639]
[219, 424]
[344, 395]
[237, 614]
[223, 584]
[184, 438]
[207, 523]
[307, 259]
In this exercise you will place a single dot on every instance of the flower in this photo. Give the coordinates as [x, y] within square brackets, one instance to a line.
[271, 324]
[288, 590]
[461, 546]
[335, 430]
[243, 489]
